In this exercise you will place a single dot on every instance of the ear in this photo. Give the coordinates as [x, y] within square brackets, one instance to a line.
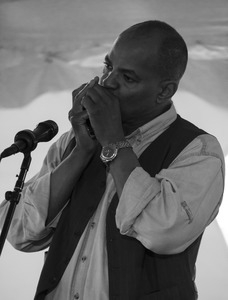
[167, 90]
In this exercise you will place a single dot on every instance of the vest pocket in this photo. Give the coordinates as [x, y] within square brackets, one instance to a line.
[167, 294]
[173, 293]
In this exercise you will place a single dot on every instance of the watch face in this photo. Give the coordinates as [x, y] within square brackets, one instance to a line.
[108, 152]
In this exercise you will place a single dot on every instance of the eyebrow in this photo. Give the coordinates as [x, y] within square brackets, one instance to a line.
[124, 70]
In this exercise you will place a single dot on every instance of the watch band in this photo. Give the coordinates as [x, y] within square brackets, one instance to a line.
[121, 144]
[110, 151]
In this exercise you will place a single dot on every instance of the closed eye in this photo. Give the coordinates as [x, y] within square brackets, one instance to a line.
[107, 66]
[128, 78]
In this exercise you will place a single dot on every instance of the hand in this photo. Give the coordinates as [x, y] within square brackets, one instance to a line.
[78, 117]
[104, 113]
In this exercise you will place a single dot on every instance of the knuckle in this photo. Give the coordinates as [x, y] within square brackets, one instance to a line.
[85, 101]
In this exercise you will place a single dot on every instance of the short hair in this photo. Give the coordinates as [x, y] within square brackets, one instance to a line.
[172, 53]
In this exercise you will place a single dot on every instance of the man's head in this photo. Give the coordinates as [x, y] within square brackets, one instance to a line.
[172, 54]
[143, 70]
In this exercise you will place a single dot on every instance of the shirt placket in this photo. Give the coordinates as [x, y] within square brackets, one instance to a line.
[81, 268]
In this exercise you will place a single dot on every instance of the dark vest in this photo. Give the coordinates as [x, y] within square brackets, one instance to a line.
[135, 273]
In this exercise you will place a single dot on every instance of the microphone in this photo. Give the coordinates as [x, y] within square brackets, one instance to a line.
[27, 140]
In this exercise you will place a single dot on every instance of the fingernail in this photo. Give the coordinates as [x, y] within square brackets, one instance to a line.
[94, 81]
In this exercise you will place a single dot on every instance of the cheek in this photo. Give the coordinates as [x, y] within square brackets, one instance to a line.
[136, 101]
[129, 91]
[129, 95]
[129, 104]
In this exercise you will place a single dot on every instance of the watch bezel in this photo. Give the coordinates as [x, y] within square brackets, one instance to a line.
[106, 158]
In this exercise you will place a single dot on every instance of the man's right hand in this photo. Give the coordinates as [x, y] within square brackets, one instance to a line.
[78, 117]
[66, 174]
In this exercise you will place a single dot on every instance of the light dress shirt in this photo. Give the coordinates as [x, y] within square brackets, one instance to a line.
[166, 213]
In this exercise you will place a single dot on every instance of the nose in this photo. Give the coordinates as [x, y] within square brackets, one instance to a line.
[109, 81]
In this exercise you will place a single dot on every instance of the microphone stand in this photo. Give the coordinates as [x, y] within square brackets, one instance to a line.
[14, 197]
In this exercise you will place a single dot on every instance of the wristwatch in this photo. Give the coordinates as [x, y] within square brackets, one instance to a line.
[109, 152]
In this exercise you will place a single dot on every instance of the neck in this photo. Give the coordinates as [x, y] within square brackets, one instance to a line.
[131, 125]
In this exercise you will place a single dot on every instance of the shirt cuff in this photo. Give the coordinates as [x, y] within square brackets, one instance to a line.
[139, 189]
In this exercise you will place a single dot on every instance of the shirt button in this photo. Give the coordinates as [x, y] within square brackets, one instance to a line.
[84, 258]
[76, 296]
[92, 225]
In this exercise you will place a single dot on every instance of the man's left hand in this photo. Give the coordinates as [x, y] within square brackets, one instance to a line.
[104, 113]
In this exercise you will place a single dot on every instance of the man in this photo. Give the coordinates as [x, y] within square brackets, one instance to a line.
[124, 212]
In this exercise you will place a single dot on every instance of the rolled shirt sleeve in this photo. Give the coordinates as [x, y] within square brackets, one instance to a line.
[166, 213]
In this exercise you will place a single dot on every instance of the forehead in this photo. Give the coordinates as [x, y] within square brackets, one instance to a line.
[134, 54]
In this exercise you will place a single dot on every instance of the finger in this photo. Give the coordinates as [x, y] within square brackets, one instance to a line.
[77, 91]
[80, 125]
[78, 94]
[87, 87]
[79, 118]
[88, 103]
[98, 93]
